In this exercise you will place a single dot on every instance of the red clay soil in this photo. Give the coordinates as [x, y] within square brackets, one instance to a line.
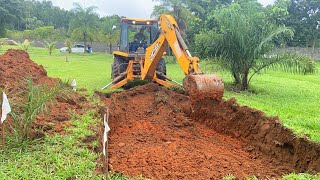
[162, 134]
[57, 118]
[15, 68]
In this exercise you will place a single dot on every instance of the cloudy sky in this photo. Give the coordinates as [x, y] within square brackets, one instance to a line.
[127, 8]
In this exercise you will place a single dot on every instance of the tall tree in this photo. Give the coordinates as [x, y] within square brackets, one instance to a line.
[110, 27]
[242, 37]
[33, 23]
[304, 17]
[203, 8]
[278, 12]
[10, 12]
[176, 8]
[85, 22]
[47, 13]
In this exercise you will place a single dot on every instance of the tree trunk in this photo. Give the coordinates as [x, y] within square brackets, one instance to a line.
[244, 80]
[110, 47]
[85, 41]
[313, 48]
[236, 77]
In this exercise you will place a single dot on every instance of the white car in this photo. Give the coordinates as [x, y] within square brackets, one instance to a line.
[78, 48]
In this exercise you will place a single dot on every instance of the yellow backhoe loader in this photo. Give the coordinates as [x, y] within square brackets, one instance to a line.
[139, 56]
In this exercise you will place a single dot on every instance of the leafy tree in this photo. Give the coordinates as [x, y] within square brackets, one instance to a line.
[45, 32]
[242, 39]
[203, 8]
[45, 12]
[10, 11]
[278, 12]
[112, 38]
[304, 17]
[25, 45]
[40, 34]
[33, 23]
[49, 46]
[191, 15]
[176, 8]
[110, 29]
[69, 43]
[27, 34]
[3, 41]
[84, 24]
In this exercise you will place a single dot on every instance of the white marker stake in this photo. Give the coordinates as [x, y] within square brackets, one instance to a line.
[6, 109]
[74, 85]
[105, 134]
[105, 140]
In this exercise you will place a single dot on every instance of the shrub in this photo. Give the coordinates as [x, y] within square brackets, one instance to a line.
[50, 46]
[68, 43]
[37, 98]
[24, 46]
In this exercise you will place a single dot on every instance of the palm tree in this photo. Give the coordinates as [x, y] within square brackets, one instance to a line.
[84, 24]
[241, 41]
[110, 30]
[203, 8]
[177, 9]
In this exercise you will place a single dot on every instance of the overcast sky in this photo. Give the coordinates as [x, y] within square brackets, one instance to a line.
[127, 8]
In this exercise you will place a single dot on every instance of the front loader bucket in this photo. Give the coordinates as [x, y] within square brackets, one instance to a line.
[204, 86]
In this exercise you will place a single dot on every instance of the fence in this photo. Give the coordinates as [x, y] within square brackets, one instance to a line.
[96, 46]
[305, 51]
[104, 47]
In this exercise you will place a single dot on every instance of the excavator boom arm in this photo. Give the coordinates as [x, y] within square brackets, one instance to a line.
[196, 83]
[170, 34]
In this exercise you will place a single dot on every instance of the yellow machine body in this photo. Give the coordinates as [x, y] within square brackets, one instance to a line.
[144, 65]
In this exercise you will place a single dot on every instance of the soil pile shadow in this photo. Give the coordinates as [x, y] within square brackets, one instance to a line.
[15, 68]
[162, 134]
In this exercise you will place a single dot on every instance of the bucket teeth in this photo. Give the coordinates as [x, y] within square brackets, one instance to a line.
[204, 86]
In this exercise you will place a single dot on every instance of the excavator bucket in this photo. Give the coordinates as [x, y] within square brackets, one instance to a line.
[204, 86]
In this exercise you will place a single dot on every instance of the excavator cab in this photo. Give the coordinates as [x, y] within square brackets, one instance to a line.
[137, 34]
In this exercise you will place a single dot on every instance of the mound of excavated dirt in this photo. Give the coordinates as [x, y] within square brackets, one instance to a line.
[15, 68]
[161, 134]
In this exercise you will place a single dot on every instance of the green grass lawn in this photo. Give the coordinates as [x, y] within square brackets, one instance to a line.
[294, 98]
[54, 157]
[90, 71]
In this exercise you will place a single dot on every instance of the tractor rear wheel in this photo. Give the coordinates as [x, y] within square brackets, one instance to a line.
[118, 66]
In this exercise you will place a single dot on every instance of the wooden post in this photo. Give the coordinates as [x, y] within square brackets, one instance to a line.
[107, 162]
[105, 157]
[105, 166]
[3, 139]
[107, 153]
[67, 56]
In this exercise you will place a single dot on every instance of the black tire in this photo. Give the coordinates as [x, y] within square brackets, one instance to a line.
[118, 66]
[162, 68]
